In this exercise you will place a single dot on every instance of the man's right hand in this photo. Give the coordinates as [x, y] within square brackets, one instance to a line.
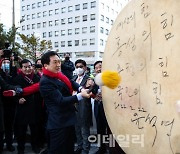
[84, 93]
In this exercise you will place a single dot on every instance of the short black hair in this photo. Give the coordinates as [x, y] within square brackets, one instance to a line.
[67, 53]
[24, 61]
[37, 60]
[45, 59]
[97, 62]
[80, 61]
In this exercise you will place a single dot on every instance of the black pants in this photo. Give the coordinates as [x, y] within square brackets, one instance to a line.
[9, 114]
[21, 136]
[1, 140]
[61, 141]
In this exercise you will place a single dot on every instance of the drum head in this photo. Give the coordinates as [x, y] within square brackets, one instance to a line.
[144, 47]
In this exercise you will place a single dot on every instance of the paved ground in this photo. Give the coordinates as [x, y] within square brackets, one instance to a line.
[29, 151]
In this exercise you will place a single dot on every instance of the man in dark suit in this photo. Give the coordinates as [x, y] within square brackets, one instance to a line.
[28, 108]
[84, 113]
[56, 89]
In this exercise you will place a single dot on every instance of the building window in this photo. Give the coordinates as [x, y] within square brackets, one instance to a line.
[50, 23]
[63, 0]
[77, 19]
[44, 35]
[107, 20]
[56, 33]
[50, 12]
[50, 34]
[112, 11]
[92, 41]
[23, 8]
[102, 5]
[112, 21]
[69, 43]
[56, 22]
[28, 27]
[38, 14]
[56, 11]
[63, 21]
[102, 18]
[62, 32]
[23, 18]
[33, 5]
[56, 1]
[84, 17]
[44, 13]
[93, 4]
[84, 42]
[50, 2]
[33, 16]
[38, 25]
[56, 44]
[63, 9]
[101, 29]
[93, 16]
[77, 7]
[92, 29]
[23, 28]
[70, 8]
[101, 42]
[85, 5]
[107, 32]
[44, 3]
[107, 8]
[39, 4]
[69, 31]
[28, 7]
[76, 42]
[62, 43]
[70, 20]
[76, 30]
[84, 30]
[28, 17]
[44, 24]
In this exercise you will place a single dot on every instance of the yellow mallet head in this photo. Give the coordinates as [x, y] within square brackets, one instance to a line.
[111, 79]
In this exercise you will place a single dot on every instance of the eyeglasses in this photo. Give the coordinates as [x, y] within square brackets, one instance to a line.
[80, 66]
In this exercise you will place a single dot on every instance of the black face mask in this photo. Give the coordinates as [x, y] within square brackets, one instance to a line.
[66, 58]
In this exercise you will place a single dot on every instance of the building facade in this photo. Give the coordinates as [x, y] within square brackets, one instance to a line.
[80, 27]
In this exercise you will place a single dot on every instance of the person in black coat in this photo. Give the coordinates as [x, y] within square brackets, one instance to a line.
[8, 72]
[84, 111]
[67, 66]
[56, 90]
[27, 110]
[4, 86]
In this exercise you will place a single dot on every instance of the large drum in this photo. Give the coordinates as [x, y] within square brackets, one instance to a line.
[144, 47]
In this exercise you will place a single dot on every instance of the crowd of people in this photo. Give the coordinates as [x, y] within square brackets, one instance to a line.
[52, 102]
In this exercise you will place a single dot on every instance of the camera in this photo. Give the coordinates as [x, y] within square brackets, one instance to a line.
[7, 52]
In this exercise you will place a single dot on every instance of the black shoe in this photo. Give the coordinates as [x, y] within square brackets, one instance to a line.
[77, 151]
[10, 148]
[20, 152]
[44, 151]
[36, 150]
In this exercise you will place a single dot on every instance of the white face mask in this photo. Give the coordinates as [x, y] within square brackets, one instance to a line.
[6, 67]
[79, 71]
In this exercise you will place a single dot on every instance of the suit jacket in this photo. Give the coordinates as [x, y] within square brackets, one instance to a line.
[59, 102]
[29, 112]
[3, 86]
[84, 107]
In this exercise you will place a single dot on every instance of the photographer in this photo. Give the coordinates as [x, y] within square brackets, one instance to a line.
[8, 71]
